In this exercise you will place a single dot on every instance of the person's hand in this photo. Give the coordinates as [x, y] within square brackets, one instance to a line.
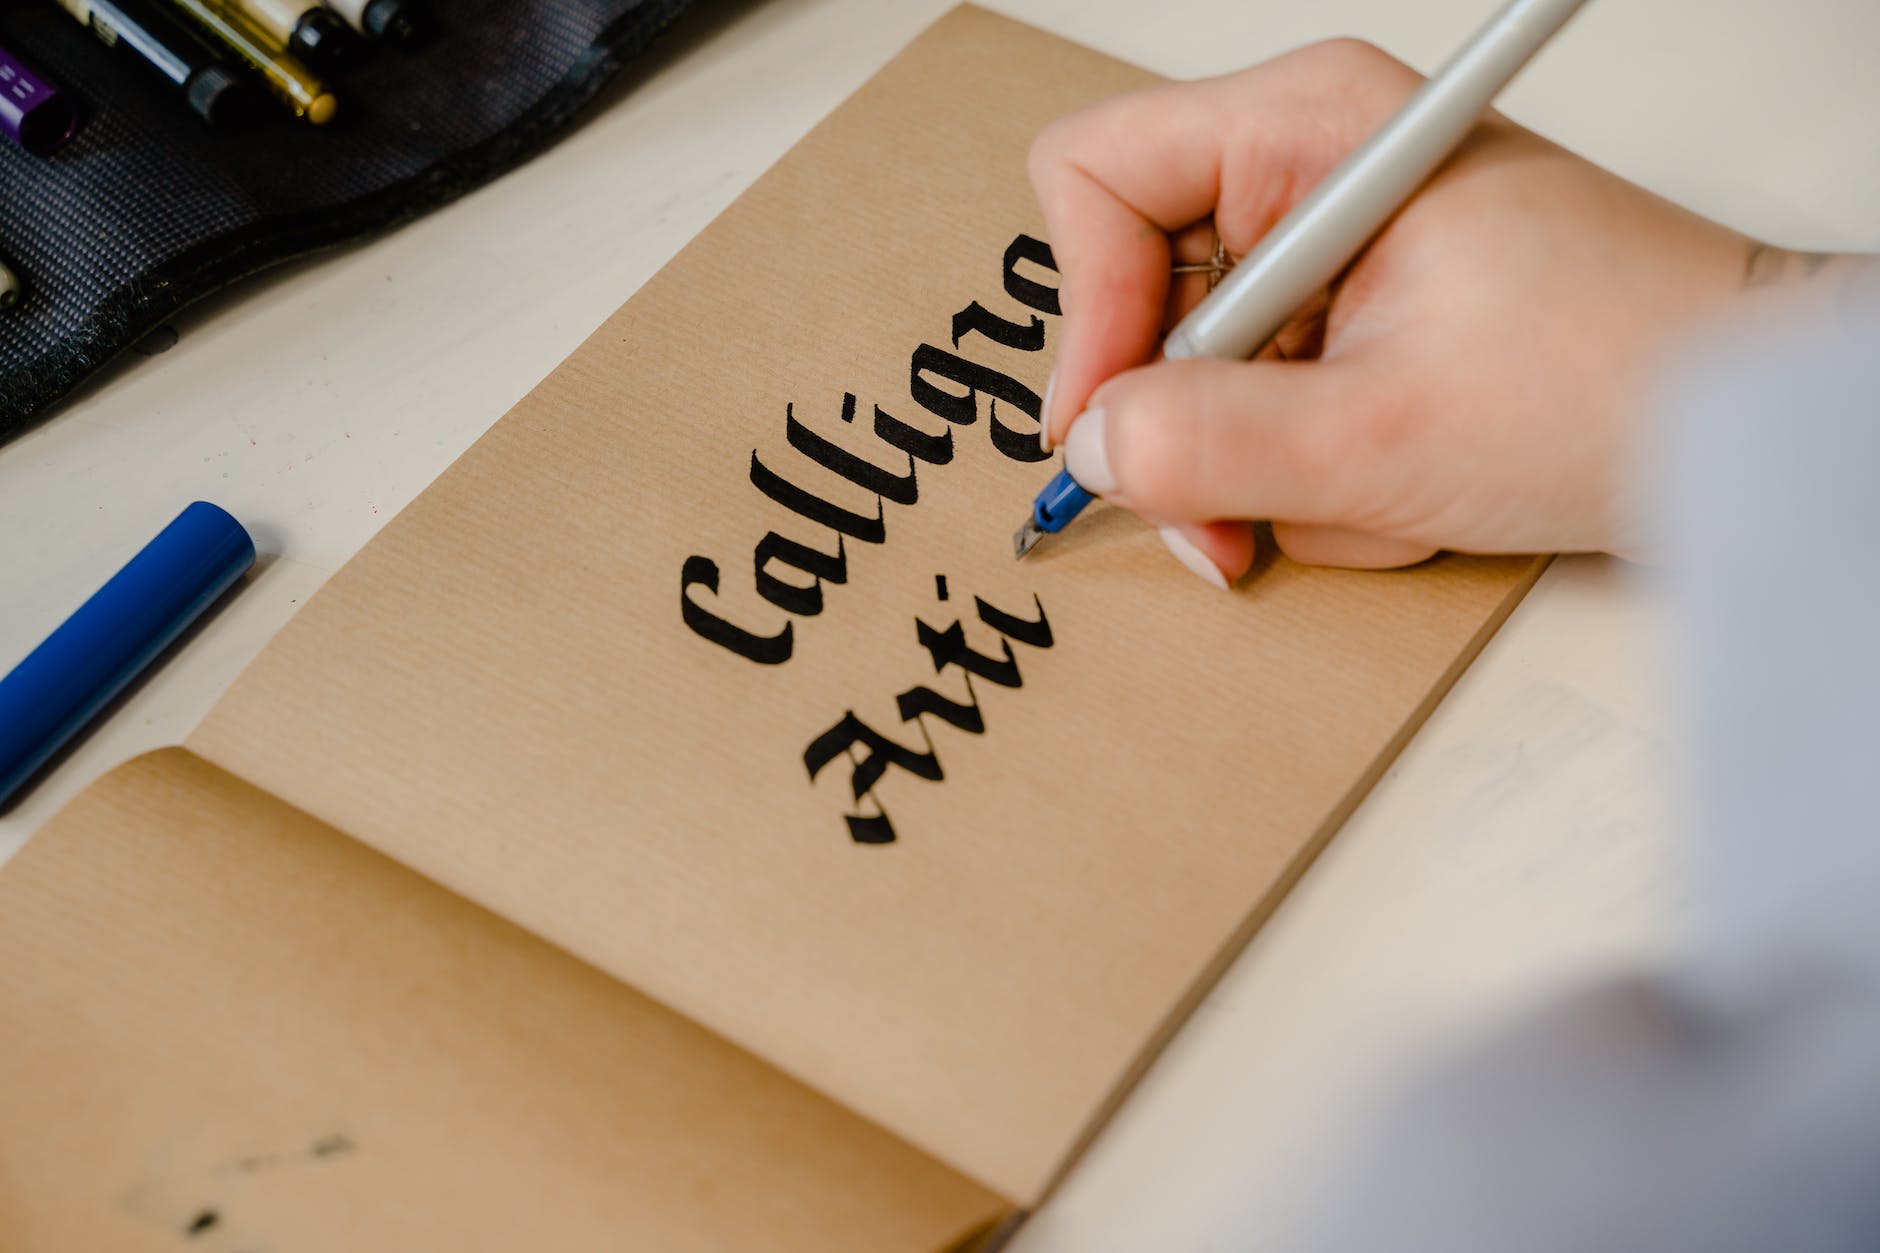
[1472, 382]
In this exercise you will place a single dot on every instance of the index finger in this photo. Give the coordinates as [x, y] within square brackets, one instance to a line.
[1116, 179]
[1108, 220]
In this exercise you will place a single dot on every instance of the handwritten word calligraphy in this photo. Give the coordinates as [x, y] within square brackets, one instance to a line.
[948, 384]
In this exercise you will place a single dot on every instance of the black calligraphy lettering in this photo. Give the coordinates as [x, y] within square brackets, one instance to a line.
[950, 387]
[865, 474]
[870, 828]
[959, 408]
[924, 700]
[820, 566]
[1035, 632]
[1027, 291]
[949, 648]
[962, 407]
[1020, 335]
[805, 504]
[765, 650]
[935, 450]
[880, 754]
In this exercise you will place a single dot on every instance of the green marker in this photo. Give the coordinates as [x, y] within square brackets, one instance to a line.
[9, 287]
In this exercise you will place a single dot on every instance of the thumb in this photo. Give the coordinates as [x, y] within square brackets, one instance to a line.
[1199, 441]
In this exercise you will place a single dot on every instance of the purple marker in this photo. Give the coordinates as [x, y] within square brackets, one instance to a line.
[33, 113]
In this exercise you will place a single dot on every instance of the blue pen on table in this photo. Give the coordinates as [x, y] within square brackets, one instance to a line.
[1319, 238]
[49, 697]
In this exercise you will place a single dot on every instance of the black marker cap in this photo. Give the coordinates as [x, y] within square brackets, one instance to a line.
[218, 95]
[34, 113]
[45, 130]
[323, 41]
[400, 23]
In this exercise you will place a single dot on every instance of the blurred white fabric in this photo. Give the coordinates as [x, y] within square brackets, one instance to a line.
[1728, 1098]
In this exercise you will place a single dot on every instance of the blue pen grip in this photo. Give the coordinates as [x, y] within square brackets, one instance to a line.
[64, 682]
[1060, 501]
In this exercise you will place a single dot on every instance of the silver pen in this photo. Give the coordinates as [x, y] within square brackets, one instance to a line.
[1310, 246]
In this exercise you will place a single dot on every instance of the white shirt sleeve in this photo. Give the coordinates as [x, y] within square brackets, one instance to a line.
[1730, 1099]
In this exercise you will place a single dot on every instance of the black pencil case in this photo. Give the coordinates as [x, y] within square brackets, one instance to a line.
[148, 208]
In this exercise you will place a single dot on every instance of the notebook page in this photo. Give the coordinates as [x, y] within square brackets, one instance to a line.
[711, 662]
[226, 1027]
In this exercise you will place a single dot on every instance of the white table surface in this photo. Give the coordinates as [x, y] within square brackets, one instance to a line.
[1522, 839]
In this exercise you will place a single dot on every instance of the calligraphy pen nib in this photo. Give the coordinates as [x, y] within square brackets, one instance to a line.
[1027, 537]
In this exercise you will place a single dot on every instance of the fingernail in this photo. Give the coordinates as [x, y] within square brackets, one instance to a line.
[1044, 413]
[1087, 454]
[1191, 556]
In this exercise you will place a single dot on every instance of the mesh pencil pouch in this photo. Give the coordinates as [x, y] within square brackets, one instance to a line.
[148, 208]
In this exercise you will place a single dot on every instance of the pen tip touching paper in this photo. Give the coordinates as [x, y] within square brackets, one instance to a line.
[1027, 537]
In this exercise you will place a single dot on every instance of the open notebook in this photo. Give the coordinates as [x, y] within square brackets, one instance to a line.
[686, 826]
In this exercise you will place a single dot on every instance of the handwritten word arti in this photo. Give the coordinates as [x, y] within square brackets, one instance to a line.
[879, 754]
[945, 384]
